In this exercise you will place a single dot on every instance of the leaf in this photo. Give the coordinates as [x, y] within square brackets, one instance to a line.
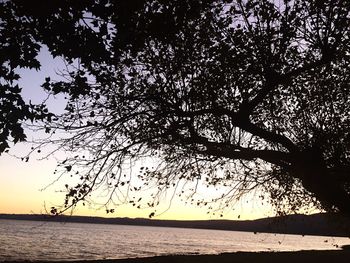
[151, 215]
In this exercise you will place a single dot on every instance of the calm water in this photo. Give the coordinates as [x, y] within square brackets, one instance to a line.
[33, 240]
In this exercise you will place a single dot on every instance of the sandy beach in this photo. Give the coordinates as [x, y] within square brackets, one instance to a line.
[319, 256]
[248, 257]
[245, 257]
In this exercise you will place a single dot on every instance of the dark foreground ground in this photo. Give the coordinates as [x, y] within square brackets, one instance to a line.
[332, 256]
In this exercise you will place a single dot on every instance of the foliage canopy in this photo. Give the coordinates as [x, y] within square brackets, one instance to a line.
[240, 94]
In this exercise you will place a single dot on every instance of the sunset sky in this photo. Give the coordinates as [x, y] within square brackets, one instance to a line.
[30, 187]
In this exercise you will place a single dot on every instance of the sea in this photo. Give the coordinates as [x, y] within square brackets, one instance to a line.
[52, 241]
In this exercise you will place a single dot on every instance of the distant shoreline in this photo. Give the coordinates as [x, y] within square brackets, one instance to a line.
[317, 224]
[308, 256]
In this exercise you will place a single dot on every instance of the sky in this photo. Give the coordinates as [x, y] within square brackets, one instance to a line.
[31, 187]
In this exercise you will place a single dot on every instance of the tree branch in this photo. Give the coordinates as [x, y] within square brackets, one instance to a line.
[279, 158]
[273, 80]
[269, 136]
[227, 150]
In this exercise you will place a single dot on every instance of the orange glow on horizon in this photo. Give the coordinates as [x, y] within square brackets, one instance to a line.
[22, 184]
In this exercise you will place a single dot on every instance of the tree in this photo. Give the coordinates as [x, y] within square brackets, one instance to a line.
[239, 94]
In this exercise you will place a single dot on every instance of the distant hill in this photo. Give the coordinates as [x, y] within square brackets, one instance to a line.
[316, 224]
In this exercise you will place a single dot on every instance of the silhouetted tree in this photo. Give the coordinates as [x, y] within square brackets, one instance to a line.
[242, 95]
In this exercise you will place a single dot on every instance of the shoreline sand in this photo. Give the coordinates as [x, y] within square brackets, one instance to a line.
[310, 256]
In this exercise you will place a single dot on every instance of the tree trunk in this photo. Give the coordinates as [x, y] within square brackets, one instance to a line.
[316, 178]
